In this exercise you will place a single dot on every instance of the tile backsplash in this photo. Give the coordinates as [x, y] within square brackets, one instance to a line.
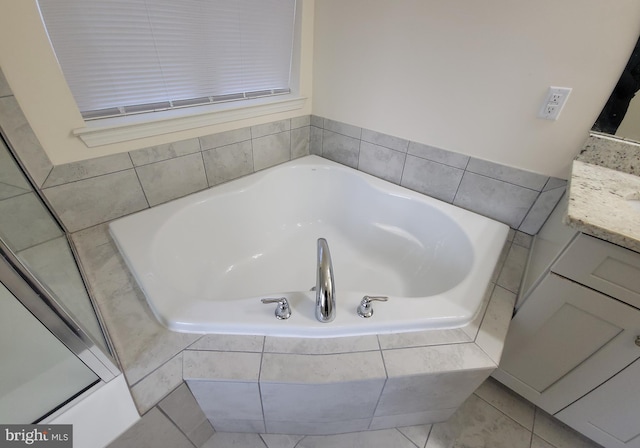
[90, 192]
[519, 198]
[94, 191]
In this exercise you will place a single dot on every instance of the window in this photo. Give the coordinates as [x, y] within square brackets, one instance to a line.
[124, 57]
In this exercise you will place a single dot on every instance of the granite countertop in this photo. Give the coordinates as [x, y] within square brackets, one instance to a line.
[605, 178]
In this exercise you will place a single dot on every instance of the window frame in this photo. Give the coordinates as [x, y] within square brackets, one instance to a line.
[104, 131]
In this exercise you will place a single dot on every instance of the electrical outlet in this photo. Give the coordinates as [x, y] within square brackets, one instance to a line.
[556, 98]
[554, 102]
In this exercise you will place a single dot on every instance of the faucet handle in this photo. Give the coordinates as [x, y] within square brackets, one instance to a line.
[283, 311]
[365, 309]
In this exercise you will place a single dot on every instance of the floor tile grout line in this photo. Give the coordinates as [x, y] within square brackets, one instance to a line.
[405, 436]
[174, 423]
[506, 415]
[429, 435]
[299, 441]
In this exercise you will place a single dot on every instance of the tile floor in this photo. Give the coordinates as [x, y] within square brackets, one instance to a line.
[493, 417]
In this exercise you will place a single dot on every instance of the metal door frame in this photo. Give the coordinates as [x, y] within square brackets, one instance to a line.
[54, 315]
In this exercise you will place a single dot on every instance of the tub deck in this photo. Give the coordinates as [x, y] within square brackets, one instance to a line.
[156, 360]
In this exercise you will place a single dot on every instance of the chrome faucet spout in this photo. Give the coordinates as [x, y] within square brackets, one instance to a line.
[325, 288]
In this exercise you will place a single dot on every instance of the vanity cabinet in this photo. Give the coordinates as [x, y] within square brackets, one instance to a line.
[573, 347]
[610, 414]
[565, 341]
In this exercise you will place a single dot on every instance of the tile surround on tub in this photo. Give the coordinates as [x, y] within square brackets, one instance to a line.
[417, 166]
[149, 353]
[510, 195]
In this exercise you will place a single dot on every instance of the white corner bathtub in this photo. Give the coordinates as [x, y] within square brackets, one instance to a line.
[205, 261]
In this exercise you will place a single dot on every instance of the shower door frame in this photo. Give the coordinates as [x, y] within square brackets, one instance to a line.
[35, 297]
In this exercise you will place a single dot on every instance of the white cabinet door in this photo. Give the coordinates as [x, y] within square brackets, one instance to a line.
[602, 266]
[565, 341]
[610, 414]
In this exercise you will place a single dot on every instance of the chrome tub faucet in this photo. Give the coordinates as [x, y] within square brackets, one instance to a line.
[325, 288]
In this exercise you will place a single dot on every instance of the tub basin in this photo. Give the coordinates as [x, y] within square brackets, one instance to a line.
[205, 261]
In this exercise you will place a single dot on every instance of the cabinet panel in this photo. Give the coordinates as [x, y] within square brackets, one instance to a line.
[566, 340]
[610, 414]
[555, 348]
[606, 267]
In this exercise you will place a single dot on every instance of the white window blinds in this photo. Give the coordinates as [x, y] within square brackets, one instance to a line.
[131, 56]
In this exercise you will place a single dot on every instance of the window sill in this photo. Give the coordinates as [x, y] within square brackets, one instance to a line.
[121, 129]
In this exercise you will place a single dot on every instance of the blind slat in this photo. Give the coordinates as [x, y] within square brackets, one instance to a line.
[125, 54]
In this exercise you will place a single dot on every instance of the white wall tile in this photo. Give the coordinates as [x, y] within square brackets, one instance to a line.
[340, 148]
[271, 150]
[151, 389]
[434, 359]
[429, 392]
[505, 173]
[300, 122]
[431, 178]
[228, 162]
[69, 172]
[229, 343]
[320, 346]
[167, 151]
[274, 127]
[541, 210]
[225, 138]
[25, 222]
[423, 338]
[88, 202]
[289, 368]
[317, 121]
[511, 275]
[300, 142]
[342, 128]
[315, 141]
[502, 201]
[227, 400]
[495, 324]
[321, 402]
[381, 162]
[221, 366]
[453, 159]
[388, 141]
[172, 178]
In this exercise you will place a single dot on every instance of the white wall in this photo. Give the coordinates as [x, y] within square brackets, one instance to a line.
[470, 76]
[33, 73]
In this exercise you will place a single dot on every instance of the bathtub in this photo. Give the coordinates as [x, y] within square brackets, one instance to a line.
[204, 262]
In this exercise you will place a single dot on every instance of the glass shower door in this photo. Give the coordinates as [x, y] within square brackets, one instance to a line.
[39, 373]
[29, 230]
[51, 344]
